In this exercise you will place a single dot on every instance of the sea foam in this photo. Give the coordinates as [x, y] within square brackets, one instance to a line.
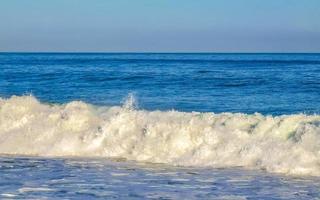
[287, 144]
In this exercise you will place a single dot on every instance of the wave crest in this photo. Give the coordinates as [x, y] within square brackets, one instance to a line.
[284, 144]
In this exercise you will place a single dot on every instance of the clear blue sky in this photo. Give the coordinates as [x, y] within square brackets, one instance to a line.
[160, 25]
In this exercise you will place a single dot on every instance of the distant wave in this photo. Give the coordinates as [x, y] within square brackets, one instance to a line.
[287, 144]
[252, 62]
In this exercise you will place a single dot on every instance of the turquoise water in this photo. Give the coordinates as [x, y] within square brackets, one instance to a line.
[154, 126]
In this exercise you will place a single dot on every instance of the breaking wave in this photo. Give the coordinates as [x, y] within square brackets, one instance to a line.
[283, 144]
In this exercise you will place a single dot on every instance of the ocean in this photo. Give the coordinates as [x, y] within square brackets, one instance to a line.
[159, 126]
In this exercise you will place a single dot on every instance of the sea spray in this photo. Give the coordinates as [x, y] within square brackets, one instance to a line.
[130, 102]
[286, 144]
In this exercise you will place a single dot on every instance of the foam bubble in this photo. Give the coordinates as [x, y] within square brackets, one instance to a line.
[286, 144]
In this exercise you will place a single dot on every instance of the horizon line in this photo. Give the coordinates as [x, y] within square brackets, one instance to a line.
[155, 52]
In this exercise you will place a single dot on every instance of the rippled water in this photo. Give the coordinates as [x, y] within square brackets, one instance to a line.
[270, 84]
[247, 83]
[33, 178]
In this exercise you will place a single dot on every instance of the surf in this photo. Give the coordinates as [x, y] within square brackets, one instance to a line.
[288, 144]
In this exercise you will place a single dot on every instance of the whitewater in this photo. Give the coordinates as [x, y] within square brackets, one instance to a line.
[288, 144]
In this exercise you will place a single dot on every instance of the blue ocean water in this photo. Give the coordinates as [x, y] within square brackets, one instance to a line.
[270, 84]
[60, 178]
[248, 83]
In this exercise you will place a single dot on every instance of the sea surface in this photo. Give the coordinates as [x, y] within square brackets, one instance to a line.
[159, 126]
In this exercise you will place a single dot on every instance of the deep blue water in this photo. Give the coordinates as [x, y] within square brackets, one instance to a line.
[248, 83]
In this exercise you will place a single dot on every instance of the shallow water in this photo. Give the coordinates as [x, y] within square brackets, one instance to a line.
[71, 178]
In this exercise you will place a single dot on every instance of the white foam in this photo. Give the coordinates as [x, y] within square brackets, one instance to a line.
[34, 189]
[286, 144]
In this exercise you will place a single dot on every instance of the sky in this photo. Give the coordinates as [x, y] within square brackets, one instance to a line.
[160, 25]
